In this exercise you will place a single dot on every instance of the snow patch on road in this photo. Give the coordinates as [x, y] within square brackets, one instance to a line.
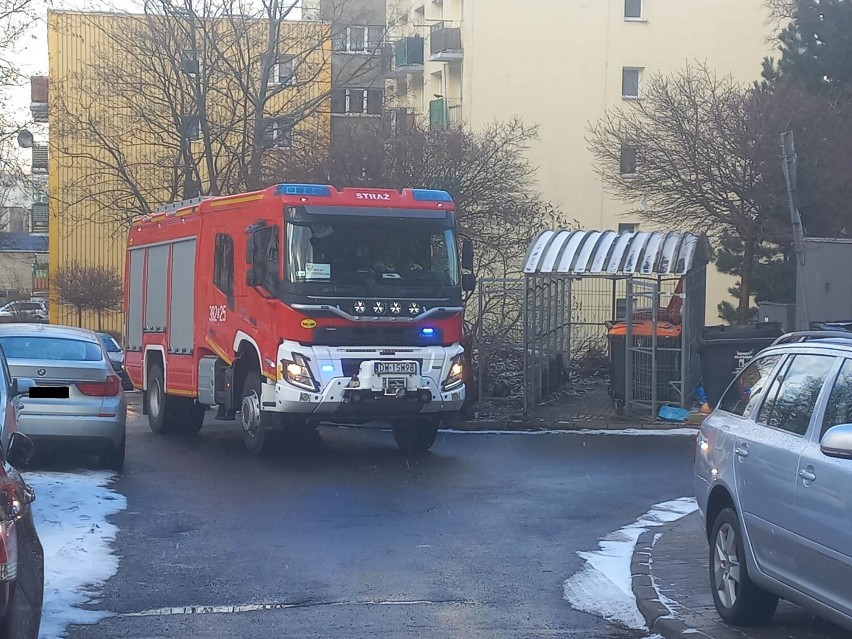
[70, 512]
[604, 586]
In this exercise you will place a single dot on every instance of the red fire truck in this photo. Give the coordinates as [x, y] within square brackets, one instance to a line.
[298, 304]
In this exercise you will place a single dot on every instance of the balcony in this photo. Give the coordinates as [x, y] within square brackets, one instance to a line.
[39, 158]
[445, 43]
[408, 55]
[445, 113]
[38, 98]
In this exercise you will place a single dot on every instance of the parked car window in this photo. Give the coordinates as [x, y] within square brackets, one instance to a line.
[793, 395]
[50, 348]
[110, 344]
[839, 408]
[744, 392]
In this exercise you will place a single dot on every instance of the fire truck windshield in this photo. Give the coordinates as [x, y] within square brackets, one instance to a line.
[340, 250]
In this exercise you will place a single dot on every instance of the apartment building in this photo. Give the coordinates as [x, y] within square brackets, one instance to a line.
[561, 64]
[359, 60]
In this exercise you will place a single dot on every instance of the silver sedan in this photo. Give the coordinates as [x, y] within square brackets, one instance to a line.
[77, 401]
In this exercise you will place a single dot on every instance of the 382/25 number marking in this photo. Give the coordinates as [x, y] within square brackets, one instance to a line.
[217, 313]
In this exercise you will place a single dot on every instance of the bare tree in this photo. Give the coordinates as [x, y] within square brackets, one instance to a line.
[194, 97]
[89, 288]
[703, 151]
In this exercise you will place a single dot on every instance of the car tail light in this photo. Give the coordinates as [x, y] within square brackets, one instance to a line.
[110, 388]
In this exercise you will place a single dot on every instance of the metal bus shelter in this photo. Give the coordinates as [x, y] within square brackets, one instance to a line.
[638, 296]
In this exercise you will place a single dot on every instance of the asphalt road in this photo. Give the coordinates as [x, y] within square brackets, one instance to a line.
[345, 538]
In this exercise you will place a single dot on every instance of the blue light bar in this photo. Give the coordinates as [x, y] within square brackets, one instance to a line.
[427, 332]
[303, 189]
[431, 195]
[327, 368]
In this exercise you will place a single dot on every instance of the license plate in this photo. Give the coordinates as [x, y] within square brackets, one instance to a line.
[49, 392]
[396, 368]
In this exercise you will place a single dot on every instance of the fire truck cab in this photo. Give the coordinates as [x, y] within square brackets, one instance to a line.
[299, 304]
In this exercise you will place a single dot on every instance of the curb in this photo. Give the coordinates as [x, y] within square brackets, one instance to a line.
[534, 425]
[657, 615]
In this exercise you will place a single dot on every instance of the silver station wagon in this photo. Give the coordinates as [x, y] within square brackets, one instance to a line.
[77, 401]
[773, 478]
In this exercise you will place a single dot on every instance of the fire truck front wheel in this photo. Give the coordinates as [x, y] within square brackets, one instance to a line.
[415, 435]
[259, 434]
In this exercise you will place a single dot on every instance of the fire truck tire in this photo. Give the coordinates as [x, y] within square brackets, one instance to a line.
[259, 435]
[164, 414]
[193, 417]
[415, 435]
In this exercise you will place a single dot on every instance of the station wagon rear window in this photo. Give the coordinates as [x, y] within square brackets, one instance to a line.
[50, 348]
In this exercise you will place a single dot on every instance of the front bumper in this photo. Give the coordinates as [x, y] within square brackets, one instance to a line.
[363, 393]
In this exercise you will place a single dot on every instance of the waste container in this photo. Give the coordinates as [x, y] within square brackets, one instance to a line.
[725, 351]
[668, 362]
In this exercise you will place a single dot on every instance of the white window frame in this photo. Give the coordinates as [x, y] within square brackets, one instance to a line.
[277, 74]
[347, 101]
[276, 131]
[639, 71]
[369, 48]
[640, 17]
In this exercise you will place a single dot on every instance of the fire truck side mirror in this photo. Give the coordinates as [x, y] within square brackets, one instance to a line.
[467, 255]
[468, 282]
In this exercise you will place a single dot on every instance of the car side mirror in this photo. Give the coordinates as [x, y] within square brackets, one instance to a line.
[468, 282]
[467, 255]
[21, 449]
[22, 386]
[837, 442]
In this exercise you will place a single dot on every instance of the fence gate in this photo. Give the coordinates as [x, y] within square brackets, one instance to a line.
[641, 347]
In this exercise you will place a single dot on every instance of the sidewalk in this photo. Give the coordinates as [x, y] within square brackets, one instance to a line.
[678, 567]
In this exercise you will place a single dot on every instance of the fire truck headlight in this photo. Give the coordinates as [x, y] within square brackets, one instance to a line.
[298, 373]
[455, 377]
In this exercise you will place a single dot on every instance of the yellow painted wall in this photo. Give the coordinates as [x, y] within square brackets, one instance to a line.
[76, 234]
[558, 64]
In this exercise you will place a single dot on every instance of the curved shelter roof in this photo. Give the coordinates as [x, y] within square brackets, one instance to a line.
[614, 254]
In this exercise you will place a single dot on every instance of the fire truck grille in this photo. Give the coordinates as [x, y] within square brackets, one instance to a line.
[376, 335]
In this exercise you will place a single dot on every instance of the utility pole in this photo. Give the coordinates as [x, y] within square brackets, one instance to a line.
[788, 155]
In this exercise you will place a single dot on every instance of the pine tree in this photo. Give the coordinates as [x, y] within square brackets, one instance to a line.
[816, 47]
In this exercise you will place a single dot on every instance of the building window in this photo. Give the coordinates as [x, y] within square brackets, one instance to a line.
[279, 133]
[633, 9]
[630, 78]
[283, 72]
[223, 264]
[358, 39]
[192, 127]
[629, 154]
[357, 101]
[628, 227]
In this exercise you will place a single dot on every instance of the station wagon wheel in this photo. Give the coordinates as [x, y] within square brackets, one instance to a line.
[738, 599]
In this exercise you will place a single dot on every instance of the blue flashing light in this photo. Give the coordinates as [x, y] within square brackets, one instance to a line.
[431, 195]
[327, 368]
[427, 332]
[303, 189]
